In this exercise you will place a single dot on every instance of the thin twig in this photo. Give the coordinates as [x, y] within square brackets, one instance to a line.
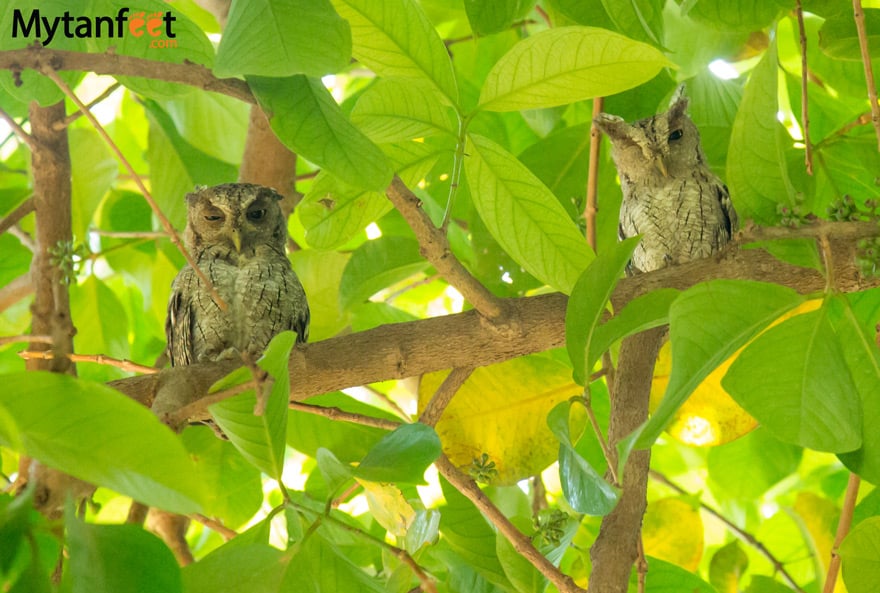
[337, 414]
[125, 365]
[805, 116]
[214, 525]
[610, 457]
[166, 224]
[192, 409]
[843, 525]
[859, 16]
[591, 207]
[426, 584]
[444, 394]
[520, 542]
[19, 131]
[26, 338]
[739, 532]
[435, 247]
[12, 219]
[75, 116]
[395, 407]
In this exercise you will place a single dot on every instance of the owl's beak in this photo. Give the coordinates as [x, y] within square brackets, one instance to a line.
[661, 166]
[236, 240]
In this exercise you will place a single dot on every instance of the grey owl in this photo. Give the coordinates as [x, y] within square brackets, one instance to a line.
[237, 235]
[670, 196]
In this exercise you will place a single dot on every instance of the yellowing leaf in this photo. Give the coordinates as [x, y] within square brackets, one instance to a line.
[709, 416]
[819, 518]
[673, 531]
[501, 411]
[388, 507]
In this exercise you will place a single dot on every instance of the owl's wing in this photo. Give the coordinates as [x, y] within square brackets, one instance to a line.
[727, 209]
[300, 324]
[180, 322]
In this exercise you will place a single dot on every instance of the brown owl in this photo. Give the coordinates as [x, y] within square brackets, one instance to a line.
[670, 195]
[237, 234]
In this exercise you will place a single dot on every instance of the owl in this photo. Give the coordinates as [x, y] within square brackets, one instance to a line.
[237, 235]
[670, 196]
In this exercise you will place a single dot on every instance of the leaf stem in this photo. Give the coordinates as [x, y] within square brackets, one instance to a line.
[457, 165]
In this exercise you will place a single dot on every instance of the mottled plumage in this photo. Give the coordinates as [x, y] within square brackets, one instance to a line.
[670, 195]
[236, 234]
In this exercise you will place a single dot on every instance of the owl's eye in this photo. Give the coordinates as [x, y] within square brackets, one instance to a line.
[213, 217]
[256, 214]
[676, 135]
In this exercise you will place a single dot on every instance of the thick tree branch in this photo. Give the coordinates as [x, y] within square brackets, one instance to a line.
[466, 340]
[43, 59]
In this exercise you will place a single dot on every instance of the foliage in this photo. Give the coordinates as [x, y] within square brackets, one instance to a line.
[482, 109]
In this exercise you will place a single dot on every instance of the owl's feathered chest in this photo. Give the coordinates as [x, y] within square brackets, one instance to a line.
[680, 218]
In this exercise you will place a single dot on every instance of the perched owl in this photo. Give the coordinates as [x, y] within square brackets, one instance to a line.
[237, 234]
[670, 196]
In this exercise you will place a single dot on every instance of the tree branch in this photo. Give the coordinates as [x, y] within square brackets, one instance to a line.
[41, 58]
[466, 340]
[435, 248]
[13, 218]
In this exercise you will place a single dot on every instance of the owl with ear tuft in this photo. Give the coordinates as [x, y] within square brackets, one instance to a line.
[670, 195]
[237, 235]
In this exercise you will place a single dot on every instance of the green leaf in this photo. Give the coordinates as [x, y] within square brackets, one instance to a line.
[103, 325]
[334, 472]
[98, 435]
[392, 110]
[261, 439]
[727, 566]
[839, 39]
[860, 561]
[283, 38]
[376, 265]
[487, 18]
[522, 573]
[587, 303]
[524, 216]
[93, 170]
[235, 490]
[308, 121]
[401, 456]
[762, 584]
[765, 459]
[800, 252]
[755, 165]
[398, 41]
[738, 15]
[567, 64]
[708, 323]
[669, 578]
[423, 531]
[643, 312]
[857, 330]
[584, 489]
[118, 559]
[468, 533]
[801, 363]
[334, 212]
[641, 20]
[257, 568]
[212, 123]
[320, 566]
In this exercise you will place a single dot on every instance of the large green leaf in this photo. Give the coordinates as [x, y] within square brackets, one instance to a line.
[401, 456]
[708, 323]
[641, 20]
[794, 380]
[755, 165]
[261, 439]
[396, 40]
[93, 170]
[839, 38]
[234, 567]
[584, 488]
[308, 121]
[97, 434]
[765, 459]
[487, 18]
[738, 15]
[670, 578]
[641, 313]
[103, 325]
[392, 110]
[568, 64]
[855, 322]
[118, 559]
[861, 563]
[376, 265]
[524, 216]
[587, 304]
[283, 38]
